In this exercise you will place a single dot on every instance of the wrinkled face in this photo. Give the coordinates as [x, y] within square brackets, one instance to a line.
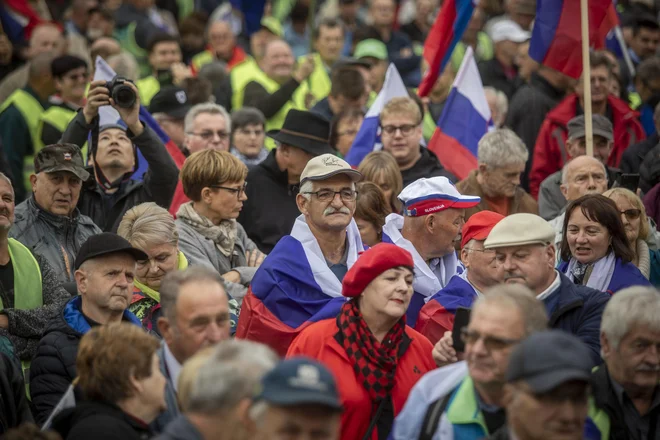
[347, 129]
[602, 147]
[329, 212]
[56, 192]
[502, 181]
[201, 319]
[6, 205]
[278, 60]
[369, 232]
[225, 203]
[481, 264]
[208, 131]
[388, 295]
[308, 422]
[584, 179]
[151, 389]
[47, 39]
[531, 265]
[490, 337]
[72, 85]
[330, 43]
[164, 55]
[558, 414]
[400, 134]
[600, 84]
[447, 227]
[222, 39]
[645, 43]
[115, 150]
[588, 240]
[630, 216]
[249, 140]
[635, 363]
[382, 12]
[106, 284]
[163, 258]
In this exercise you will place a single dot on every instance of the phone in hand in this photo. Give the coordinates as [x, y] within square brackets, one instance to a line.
[461, 321]
[629, 181]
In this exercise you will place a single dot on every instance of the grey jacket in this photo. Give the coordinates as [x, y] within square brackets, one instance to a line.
[201, 250]
[172, 410]
[180, 429]
[55, 237]
[551, 200]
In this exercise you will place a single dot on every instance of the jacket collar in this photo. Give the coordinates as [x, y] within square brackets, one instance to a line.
[53, 219]
[568, 299]
[75, 319]
[270, 164]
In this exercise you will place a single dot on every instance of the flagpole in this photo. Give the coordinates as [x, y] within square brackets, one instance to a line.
[586, 77]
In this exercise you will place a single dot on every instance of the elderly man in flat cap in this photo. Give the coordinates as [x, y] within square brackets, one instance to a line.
[524, 246]
[433, 215]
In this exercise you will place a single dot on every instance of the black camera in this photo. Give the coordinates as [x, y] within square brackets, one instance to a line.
[123, 95]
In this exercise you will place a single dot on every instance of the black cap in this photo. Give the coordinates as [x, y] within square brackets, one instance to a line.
[61, 157]
[548, 359]
[105, 244]
[305, 130]
[171, 100]
[299, 381]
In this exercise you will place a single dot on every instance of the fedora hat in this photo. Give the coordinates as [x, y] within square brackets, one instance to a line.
[305, 130]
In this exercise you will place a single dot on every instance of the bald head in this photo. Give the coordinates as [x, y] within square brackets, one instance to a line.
[583, 175]
[47, 38]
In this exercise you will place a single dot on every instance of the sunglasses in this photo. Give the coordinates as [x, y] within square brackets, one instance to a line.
[632, 214]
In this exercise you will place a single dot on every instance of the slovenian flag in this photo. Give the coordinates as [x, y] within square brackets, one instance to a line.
[557, 37]
[368, 137]
[463, 122]
[17, 20]
[445, 33]
[293, 288]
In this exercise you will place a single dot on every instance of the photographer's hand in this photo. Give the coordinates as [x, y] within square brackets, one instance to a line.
[131, 116]
[98, 96]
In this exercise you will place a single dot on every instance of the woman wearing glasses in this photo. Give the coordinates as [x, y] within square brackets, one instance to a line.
[374, 355]
[595, 249]
[214, 181]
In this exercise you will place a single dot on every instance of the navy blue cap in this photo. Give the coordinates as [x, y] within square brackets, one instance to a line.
[299, 381]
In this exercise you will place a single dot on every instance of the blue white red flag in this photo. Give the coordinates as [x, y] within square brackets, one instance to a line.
[463, 122]
[18, 19]
[556, 38]
[445, 33]
[293, 288]
[368, 137]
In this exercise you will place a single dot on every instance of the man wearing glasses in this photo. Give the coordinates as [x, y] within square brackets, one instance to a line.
[300, 280]
[465, 400]
[206, 126]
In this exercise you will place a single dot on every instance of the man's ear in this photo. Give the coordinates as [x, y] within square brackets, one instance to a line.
[430, 223]
[482, 168]
[164, 327]
[605, 347]
[464, 258]
[242, 413]
[81, 281]
[33, 182]
[302, 203]
[564, 189]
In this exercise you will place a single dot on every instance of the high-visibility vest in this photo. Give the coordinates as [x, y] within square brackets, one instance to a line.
[148, 87]
[30, 108]
[319, 82]
[484, 51]
[240, 76]
[201, 59]
[58, 117]
[186, 7]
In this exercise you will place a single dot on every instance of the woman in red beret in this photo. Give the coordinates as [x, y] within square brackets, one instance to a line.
[375, 357]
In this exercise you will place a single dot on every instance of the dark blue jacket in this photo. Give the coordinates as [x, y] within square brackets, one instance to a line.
[625, 275]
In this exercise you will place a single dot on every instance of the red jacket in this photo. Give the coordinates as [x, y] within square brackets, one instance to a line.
[550, 153]
[318, 342]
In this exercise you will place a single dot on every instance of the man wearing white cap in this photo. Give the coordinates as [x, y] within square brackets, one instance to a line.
[300, 281]
[501, 72]
[524, 246]
[433, 215]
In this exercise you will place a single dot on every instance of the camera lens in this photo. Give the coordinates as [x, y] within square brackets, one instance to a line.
[124, 96]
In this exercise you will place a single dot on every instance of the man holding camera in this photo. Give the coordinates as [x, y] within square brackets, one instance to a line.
[113, 156]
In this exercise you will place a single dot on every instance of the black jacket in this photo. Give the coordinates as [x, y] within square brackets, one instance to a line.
[158, 184]
[99, 421]
[14, 408]
[492, 74]
[649, 170]
[323, 108]
[428, 165]
[270, 210]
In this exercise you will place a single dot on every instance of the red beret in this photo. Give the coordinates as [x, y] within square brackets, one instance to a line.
[373, 262]
[479, 226]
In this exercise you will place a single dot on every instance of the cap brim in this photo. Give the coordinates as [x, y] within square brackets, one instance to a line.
[465, 203]
[355, 175]
[311, 146]
[81, 173]
[288, 398]
[545, 382]
[515, 243]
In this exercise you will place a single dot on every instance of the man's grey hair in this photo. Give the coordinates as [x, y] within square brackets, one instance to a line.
[501, 102]
[502, 148]
[308, 186]
[230, 375]
[631, 307]
[521, 297]
[206, 107]
[174, 281]
[564, 170]
[4, 177]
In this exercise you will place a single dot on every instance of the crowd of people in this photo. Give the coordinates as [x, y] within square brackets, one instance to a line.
[209, 266]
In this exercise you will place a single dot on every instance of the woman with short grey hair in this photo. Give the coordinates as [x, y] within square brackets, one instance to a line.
[248, 136]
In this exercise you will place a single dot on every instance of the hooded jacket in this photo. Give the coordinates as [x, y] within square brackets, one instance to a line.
[428, 165]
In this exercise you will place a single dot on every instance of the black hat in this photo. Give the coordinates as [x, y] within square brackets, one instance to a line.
[105, 244]
[171, 100]
[305, 130]
[61, 157]
[548, 359]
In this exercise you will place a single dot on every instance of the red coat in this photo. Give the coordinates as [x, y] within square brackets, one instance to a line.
[550, 153]
[318, 342]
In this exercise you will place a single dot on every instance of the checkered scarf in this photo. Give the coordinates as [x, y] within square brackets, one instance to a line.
[374, 363]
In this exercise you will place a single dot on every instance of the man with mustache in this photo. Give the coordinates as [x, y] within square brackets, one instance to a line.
[626, 390]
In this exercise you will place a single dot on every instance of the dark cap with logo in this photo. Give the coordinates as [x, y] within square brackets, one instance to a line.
[171, 100]
[600, 124]
[61, 157]
[299, 381]
[107, 243]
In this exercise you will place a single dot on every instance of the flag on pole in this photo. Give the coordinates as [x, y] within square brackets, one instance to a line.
[446, 32]
[18, 19]
[367, 138]
[556, 38]
[464, 120]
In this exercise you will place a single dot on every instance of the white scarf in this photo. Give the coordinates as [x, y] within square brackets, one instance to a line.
[601, 274]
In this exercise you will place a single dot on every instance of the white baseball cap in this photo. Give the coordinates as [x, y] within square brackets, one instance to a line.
[508, 30]
[427, 196]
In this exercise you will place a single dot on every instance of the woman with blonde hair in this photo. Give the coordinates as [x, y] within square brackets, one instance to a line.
[381, 168]
[151, 229]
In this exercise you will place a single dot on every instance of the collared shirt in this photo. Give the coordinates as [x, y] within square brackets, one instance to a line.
[340, 268]
[551, 288]
[173, 367]
[637, 425]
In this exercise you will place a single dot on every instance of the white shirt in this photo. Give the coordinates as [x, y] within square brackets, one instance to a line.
[551, 288]
[173, 367]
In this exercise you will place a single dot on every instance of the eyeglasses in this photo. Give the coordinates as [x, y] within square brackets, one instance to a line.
[237, 191]
[326, 195]
[406, 129]
[492, 343]
[632, 214]
[208, 135]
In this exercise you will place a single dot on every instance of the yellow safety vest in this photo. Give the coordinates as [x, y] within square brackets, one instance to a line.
[148, 87]
[240, 76]
[58, 117]
[201, 59]
[484, 51]
[319, 81]
[31, 109]
[186, 7]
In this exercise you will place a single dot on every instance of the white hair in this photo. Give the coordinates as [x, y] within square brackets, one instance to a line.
[501, 103]
[564, 174]
[258, 410]
[502, 147]
[308, 186]
[634, 306]
[206, 107]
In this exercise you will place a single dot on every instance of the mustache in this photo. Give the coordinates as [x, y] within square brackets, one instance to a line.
[649, 368]
[330, 210]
